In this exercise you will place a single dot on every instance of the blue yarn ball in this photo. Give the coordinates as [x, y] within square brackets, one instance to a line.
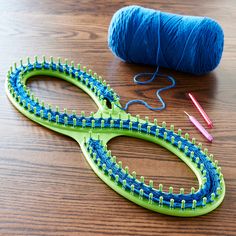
[184, 43]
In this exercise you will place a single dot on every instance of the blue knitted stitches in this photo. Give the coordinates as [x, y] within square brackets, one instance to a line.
[209, 187]
[85, 78]
[209, 170]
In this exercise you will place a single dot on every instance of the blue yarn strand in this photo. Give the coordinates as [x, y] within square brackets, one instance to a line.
[153, 77]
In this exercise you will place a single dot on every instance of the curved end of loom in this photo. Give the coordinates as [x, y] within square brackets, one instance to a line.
[111, 171]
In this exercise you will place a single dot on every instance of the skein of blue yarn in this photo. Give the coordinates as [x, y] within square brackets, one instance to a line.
[184, 43]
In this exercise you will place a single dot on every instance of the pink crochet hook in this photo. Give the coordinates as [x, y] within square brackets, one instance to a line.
[200, 109]
[199, 127]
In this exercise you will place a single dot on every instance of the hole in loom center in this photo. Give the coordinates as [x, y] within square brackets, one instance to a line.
[58, 92]
[154, 163]
[108, 103]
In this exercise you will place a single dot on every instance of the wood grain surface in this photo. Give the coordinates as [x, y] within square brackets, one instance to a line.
[46, 185]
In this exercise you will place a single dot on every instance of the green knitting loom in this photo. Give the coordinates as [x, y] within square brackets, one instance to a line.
[93, 133]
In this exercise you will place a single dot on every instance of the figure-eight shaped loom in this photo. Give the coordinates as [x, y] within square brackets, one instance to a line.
[94, 131]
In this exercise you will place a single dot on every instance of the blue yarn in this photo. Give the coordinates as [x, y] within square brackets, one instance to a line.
[185, 43]
[153, 77]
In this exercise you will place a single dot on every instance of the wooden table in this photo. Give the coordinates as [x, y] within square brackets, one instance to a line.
[46, 185]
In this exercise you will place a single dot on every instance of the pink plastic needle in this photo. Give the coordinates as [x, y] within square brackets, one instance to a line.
[200, 109]
[199, 127]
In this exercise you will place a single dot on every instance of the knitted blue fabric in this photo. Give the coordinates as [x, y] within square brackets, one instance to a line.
[34, 107]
